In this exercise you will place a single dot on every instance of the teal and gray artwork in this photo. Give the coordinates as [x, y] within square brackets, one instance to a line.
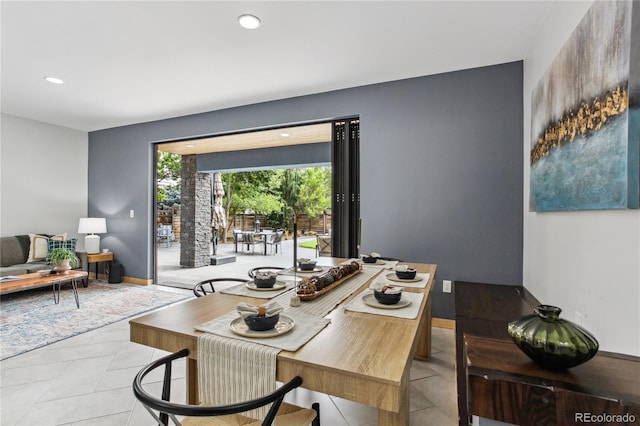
[584, 147]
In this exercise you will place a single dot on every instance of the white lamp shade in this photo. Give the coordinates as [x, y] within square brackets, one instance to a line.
[92, 225]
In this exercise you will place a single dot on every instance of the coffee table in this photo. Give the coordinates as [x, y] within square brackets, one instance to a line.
[35, 280]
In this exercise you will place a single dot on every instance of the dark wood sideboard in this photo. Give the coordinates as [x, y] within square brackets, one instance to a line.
[497, 381]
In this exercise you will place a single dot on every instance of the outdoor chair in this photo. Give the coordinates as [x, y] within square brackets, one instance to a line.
[162, 409]
[250, 241]
[165, 233]
[275, 240]
[252, 271]
[237, 238]
[206, 287]
[323, 245]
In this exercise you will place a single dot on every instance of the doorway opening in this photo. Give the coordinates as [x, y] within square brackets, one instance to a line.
[237, 156]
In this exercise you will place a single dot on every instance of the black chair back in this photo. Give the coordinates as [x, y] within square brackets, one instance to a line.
[206, 287]
[169, 410]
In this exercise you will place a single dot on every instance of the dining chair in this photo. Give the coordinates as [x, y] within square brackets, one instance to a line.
[250, 241]
[252, 271]
[275, 240]
[237, 238]
[165, 233]
[162, 408]
[323, 245]
[206, 287]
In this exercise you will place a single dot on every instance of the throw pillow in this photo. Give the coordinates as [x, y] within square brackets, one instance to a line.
[54, 244]
[38, 246]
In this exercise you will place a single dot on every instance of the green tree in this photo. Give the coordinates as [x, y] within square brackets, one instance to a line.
[315, 191]
[290, 190]
[256, 191]
[169, 173]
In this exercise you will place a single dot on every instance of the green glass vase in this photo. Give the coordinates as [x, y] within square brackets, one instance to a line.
[551, 341]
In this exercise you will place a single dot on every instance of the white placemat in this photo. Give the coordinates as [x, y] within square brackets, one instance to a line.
[424, 279]
[409, 312]
[305, 328]
[300, 274]
[243, 290]
[232, 371]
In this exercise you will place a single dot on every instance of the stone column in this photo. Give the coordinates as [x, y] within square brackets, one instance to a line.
[195, 215]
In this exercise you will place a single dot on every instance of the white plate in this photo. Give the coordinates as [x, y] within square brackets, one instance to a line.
[370, 299]
[279, 285]
[316, 269]
[393, 277]
[284, 325]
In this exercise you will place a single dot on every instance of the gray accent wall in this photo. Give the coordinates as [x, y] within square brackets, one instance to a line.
[441, 171]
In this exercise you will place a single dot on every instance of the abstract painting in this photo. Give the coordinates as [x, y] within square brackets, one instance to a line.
[584, 137]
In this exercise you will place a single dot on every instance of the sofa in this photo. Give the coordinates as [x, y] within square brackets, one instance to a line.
[23, 254]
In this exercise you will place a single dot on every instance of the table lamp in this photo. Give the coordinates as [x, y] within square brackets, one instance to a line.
[92, 226]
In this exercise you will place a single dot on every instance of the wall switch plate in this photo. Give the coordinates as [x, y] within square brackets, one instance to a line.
[131, 214]
[446, 286]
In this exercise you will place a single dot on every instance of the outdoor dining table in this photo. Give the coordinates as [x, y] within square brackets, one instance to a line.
[249, 236]
[359, 356]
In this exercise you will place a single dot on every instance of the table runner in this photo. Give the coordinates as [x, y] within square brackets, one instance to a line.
[424, 279]
[231, 371]
[243, 290]
[226, 354]
[409, 312]
[327, 302]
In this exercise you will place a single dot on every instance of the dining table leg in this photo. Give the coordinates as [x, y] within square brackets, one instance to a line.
[423, 351]
[192, 381]
[401, 418]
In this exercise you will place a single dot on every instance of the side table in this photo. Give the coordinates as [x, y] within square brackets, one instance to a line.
[97, 258]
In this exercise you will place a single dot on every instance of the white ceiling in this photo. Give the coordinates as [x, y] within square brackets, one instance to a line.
[126, 62]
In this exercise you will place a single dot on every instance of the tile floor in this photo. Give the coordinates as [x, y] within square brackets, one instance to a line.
[86, 380]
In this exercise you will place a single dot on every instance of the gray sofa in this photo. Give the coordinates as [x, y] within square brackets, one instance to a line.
[14, 252]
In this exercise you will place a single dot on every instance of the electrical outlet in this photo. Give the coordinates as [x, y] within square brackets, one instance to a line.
[578, 318]
[446, 286]
[132, 214]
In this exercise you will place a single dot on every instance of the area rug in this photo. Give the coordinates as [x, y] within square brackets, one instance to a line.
[29, 320]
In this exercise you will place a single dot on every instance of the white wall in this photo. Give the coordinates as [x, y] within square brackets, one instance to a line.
[35, 158]
[587, 261]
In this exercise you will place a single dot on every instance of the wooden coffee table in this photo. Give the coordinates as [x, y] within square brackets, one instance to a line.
[35, 280]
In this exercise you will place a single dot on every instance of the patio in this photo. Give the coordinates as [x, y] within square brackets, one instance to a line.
[171, 274]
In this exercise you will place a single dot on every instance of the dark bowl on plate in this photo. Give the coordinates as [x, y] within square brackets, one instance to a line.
[369, 259]
[257, 323]
[409, 274]
[387, 299]
[307, 265]
[265, 279]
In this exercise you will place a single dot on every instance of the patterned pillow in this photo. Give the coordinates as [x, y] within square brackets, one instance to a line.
[38, 246]
[54, 244]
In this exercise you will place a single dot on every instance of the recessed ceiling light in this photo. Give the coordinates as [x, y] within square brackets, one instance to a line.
[190, 146]
[54, 80]
[284, 135]
[249, 22]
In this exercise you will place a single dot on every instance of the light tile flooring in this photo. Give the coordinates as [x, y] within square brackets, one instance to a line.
[86, 380]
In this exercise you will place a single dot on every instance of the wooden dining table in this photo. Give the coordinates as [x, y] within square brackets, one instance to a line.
[361, 357]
